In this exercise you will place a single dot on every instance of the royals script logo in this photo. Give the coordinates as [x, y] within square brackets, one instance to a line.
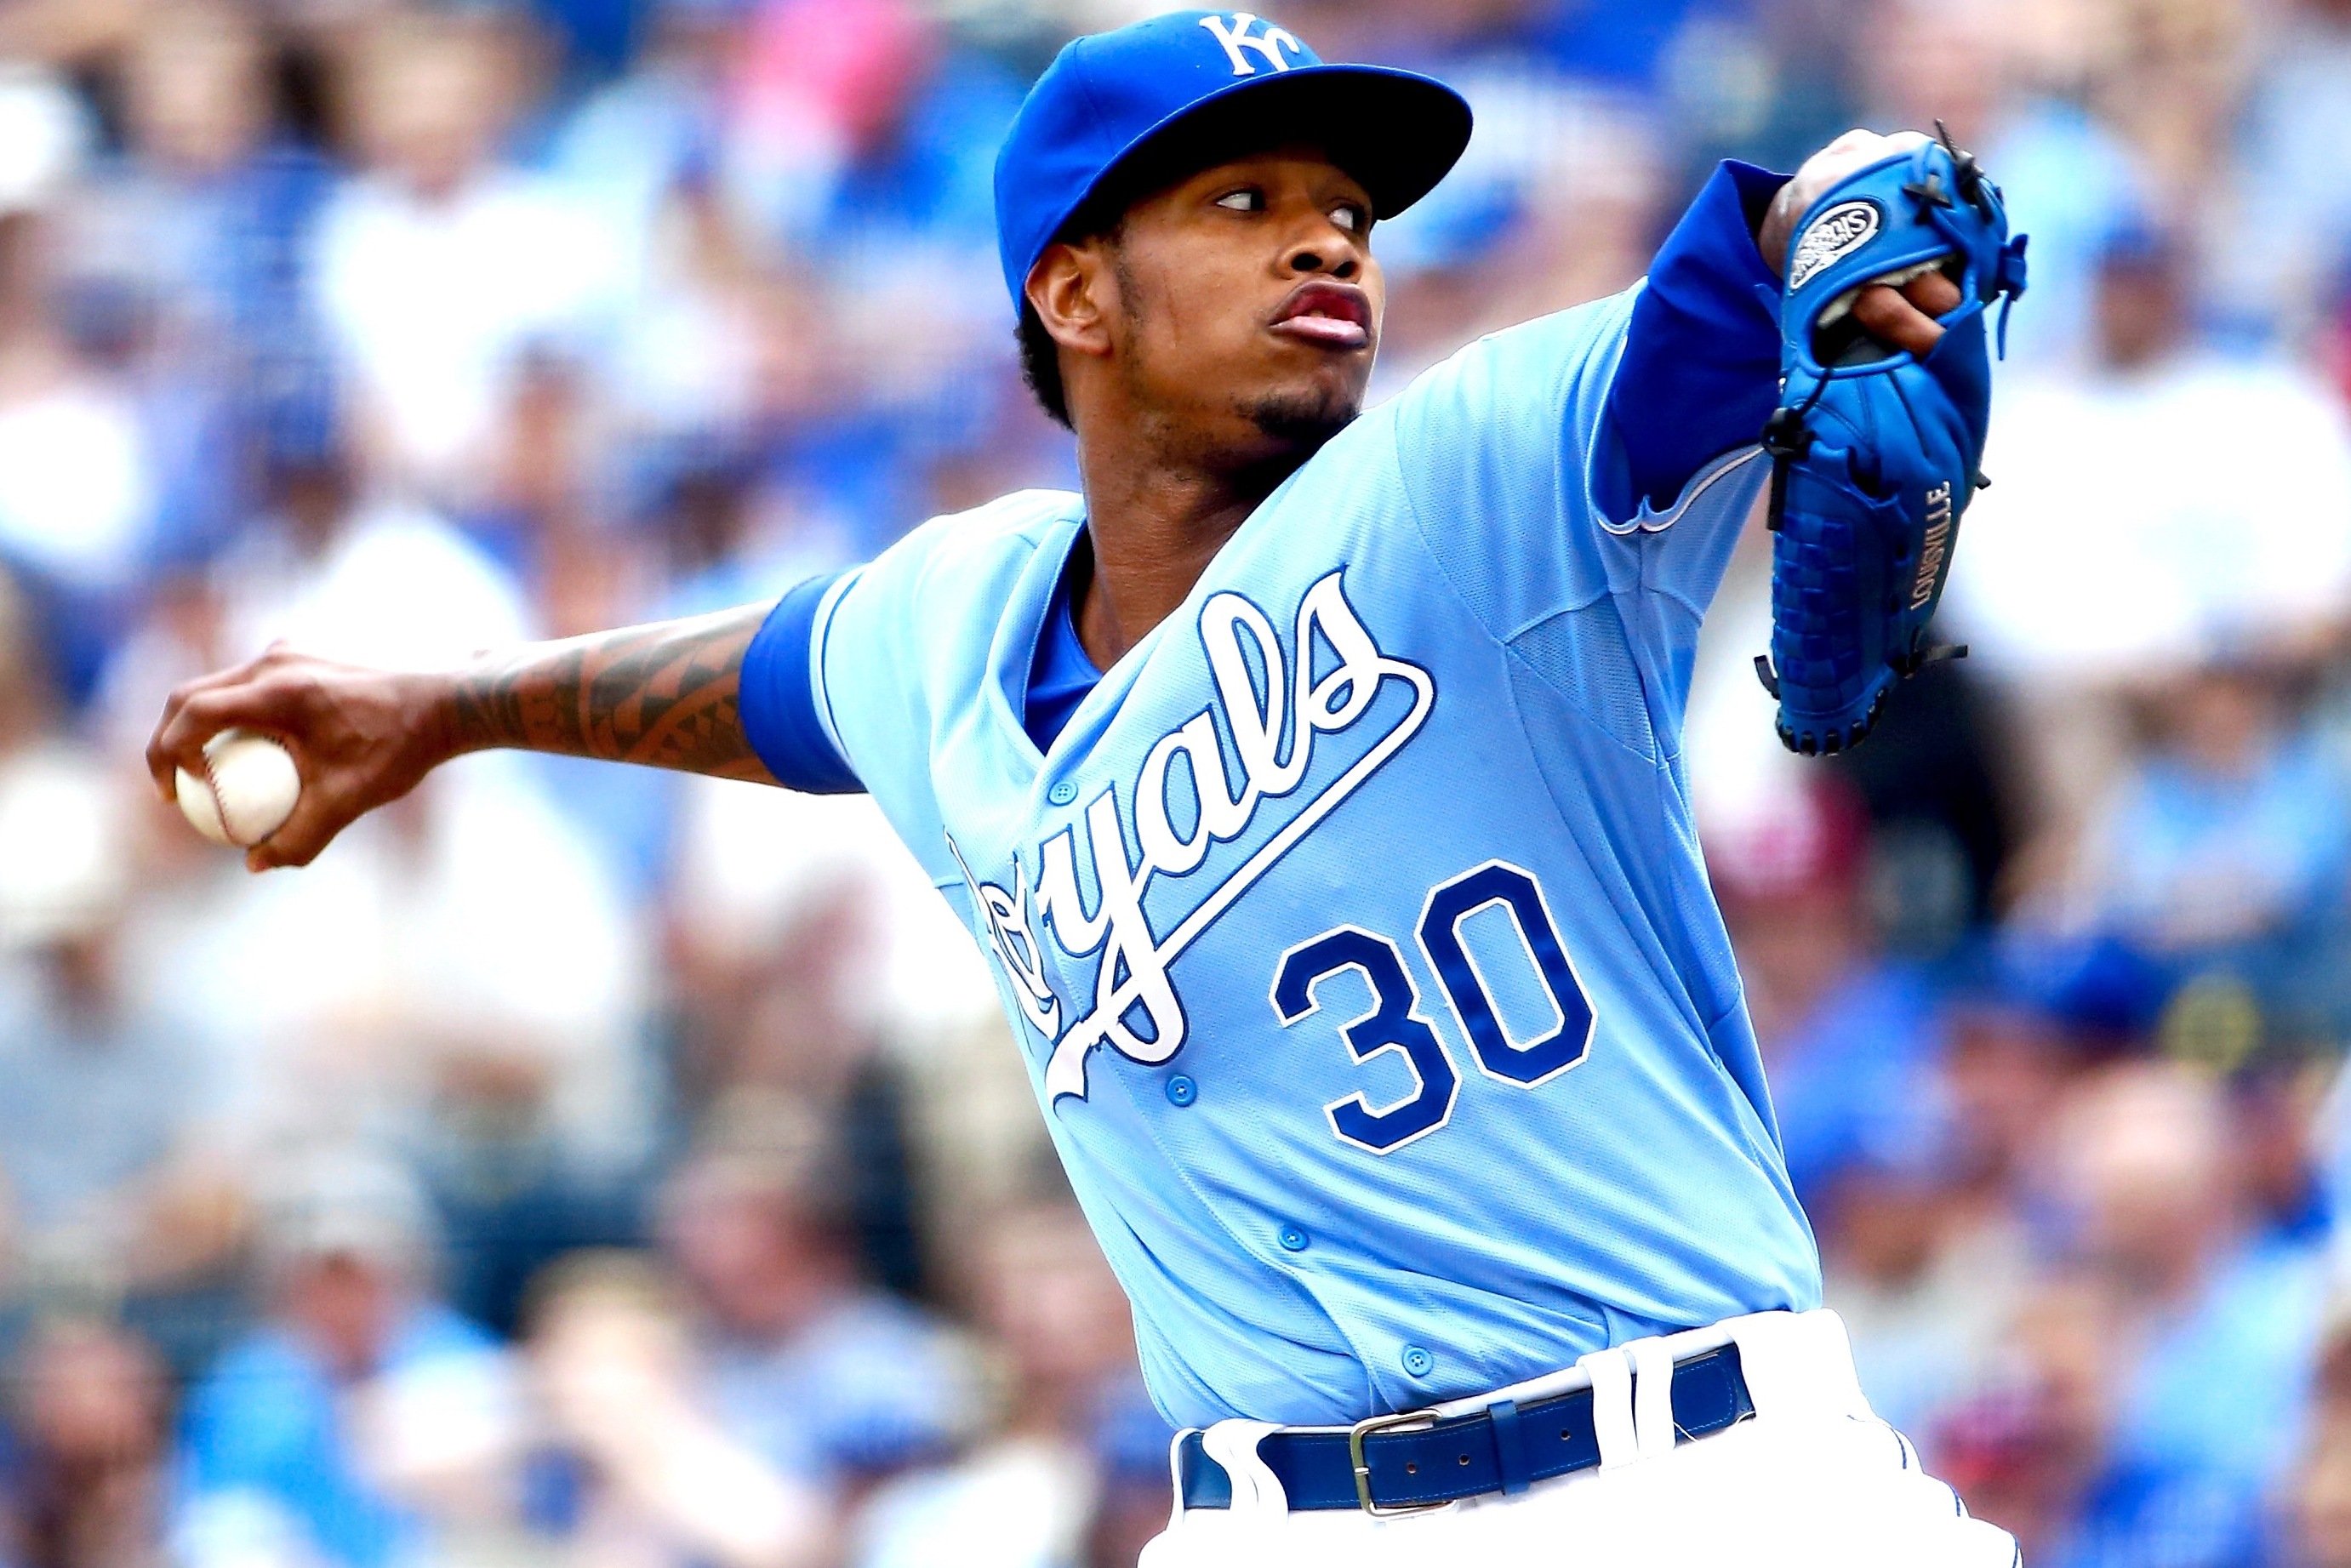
[1273, 713]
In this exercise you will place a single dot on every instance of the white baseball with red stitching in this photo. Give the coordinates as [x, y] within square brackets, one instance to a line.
[248, 790]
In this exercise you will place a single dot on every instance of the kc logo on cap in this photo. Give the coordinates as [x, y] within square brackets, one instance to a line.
[1236, 37]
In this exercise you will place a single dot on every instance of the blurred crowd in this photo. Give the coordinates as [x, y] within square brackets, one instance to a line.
[584, 1166]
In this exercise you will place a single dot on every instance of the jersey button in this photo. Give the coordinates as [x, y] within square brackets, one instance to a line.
[1062, 793]
[1182, 1091]
[1292, 1238]
[1418, 1362]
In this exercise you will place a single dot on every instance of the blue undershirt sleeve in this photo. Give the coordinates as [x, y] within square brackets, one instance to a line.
[778, 697]
[1700, 370]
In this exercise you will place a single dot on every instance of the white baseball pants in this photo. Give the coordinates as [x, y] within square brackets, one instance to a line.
[1814, 1479]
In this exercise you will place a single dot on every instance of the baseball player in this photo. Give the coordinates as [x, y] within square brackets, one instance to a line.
[1313, 779]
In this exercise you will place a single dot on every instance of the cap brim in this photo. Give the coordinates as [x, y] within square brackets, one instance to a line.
[1396, 131]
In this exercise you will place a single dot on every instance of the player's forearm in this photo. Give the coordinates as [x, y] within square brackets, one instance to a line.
[665, 694]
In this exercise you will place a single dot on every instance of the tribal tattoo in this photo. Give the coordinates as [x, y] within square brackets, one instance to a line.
[665, 695]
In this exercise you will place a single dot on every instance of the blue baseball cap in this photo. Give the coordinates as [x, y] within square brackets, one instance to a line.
[1108, 96]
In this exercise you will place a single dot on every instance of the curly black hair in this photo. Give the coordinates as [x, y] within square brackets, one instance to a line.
[1040, 366]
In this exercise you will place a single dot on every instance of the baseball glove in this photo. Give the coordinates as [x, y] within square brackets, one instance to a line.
[1874, 450]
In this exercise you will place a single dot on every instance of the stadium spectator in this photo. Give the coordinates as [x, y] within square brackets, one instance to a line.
[192, 244]
[439, 269]
[2030, 1448]
[352, 574]
[89, 1485]
[110, 1183]
[829, 1381]
[114, 1175]
[2228, 848]
[641, 1467]
[408, 1009]
[77, 475]
[2088, 566]
[276, 1446]
[2221, 1317]
[2290, 180]
[2210, 567]
[1027, 1497]
[1850, 1037]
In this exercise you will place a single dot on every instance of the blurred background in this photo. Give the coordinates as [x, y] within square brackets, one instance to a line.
[583, 1165]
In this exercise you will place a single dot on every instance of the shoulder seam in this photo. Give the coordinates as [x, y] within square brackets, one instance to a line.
[1428, 548]
[820, 635]
[1445, 569]
[1650, 759]
[990, 524]
[1508, 645]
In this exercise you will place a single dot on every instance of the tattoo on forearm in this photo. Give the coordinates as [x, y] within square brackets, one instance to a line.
[666, 695]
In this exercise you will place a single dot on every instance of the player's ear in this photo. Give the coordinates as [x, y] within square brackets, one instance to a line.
[1070, 287]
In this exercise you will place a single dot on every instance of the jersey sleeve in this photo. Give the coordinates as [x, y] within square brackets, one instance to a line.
[780, 704]
[836, 683]
[1701, 365]
[878, 675]
[1514, 457]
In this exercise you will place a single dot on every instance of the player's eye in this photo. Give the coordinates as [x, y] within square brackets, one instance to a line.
[1248, 199]
[1352, 218]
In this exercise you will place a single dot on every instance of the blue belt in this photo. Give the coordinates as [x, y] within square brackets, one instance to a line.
[1398, 1464]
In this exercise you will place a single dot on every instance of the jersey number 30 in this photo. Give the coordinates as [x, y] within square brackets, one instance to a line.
[1394, 1022]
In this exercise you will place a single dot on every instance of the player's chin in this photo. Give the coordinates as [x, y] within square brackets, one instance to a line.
[1303, 417]
[1312, 405]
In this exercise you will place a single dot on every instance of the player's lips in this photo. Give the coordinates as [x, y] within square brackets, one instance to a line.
[1335, 315]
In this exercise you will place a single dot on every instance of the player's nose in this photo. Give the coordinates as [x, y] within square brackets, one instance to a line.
[1331, 254]
[1319, 247]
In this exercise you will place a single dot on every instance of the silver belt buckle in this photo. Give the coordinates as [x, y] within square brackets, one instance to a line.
[1355, 1436]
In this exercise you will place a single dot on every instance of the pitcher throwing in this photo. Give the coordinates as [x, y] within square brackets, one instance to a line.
[1314, 780]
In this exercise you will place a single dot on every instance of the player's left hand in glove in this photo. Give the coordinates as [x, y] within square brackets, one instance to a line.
[1876, 449]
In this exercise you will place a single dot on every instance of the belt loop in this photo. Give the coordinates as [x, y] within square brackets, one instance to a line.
[1653, 1397]
[1510, 1446]
[1176, 1466]
[1611, 1405]
[1257, 1490]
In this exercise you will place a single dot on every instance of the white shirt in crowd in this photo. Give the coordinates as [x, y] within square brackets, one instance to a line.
[430, 304]
[77, 486]
[2143, 522]
[396, 588]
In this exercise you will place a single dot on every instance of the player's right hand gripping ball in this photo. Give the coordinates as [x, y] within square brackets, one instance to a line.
[1876, 451]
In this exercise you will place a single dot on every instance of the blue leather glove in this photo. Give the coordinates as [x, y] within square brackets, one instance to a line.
[1877, 452]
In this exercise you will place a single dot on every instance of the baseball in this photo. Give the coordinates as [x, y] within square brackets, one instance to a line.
[248, 790]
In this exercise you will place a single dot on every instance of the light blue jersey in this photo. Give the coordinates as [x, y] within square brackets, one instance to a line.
[1354, 926]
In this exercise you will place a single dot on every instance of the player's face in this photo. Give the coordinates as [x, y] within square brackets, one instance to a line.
[1248, 304]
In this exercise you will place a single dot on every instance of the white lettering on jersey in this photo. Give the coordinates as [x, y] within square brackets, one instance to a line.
[1273, 731]
[1007, 915]
[1237, 37]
